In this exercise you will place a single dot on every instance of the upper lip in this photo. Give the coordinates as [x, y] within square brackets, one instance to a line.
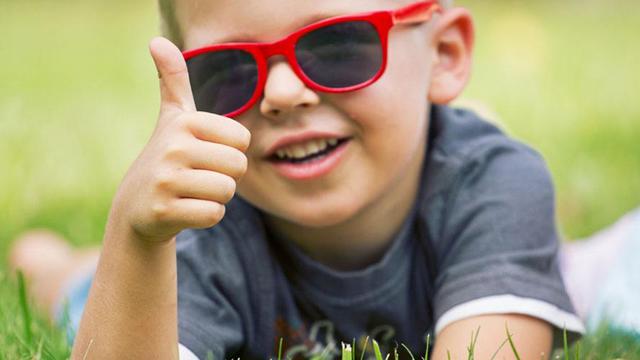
[299, 139]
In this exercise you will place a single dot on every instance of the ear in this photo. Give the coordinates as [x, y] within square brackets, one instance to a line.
[452, 48]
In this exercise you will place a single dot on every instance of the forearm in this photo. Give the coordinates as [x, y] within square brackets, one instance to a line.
[132, 306]
[532, 338]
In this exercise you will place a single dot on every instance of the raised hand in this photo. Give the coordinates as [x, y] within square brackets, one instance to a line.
[188, 170]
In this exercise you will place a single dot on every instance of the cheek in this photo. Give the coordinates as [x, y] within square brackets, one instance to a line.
[408, 66]
[401, 93]
[392, 113]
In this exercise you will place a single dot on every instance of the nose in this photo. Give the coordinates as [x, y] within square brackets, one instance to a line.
[284, 92]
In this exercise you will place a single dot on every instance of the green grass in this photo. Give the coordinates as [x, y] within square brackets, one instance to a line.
[23, 333]
[620, 349]
[78, 99]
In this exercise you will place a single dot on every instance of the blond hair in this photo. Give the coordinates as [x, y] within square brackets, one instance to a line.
[170, 28]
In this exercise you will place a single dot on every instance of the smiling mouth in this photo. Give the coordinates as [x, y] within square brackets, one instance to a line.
[309, 153]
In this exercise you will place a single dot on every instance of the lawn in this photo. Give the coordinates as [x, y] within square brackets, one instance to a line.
[78, 100]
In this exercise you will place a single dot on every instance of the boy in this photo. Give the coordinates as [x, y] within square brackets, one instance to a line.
[365, 205]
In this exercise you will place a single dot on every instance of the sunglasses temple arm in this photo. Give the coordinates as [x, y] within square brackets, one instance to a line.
[416, 13]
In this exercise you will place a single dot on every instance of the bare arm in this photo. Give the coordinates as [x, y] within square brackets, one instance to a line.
[182, 179]
[132, 306]
[532, 337]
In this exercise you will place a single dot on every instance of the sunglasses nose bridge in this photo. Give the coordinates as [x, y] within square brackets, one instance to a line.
[276, 48]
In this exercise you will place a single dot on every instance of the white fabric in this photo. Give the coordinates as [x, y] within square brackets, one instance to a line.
[185, 354]
[586, 265]
[510, 304]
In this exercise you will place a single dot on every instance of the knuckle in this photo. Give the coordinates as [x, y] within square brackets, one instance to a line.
[160, 211]
[192, 118]
[176, 151]
[206, 115]
[203, 122]
[188, 120]
[175, 71]
[164, 180]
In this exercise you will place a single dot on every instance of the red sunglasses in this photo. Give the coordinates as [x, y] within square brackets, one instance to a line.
[335, 55]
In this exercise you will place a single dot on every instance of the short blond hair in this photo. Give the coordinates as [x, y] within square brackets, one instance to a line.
[170, 28]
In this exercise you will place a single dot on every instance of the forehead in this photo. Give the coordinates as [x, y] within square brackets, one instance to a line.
[206, 22]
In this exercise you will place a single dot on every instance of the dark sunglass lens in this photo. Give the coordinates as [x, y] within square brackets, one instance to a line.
[222, 81]
[341, 55]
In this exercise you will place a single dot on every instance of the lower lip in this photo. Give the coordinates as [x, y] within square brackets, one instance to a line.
[312, 169]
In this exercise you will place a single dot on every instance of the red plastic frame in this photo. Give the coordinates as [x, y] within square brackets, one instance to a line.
[383, 21]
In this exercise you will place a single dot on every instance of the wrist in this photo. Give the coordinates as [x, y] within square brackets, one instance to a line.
[120, 228]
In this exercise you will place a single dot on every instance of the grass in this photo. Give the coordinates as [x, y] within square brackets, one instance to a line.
[78, 100]
[350, 351]
[23, 333]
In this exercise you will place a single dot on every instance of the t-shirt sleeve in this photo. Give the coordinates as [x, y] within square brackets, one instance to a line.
[210, 291]
[497, 250]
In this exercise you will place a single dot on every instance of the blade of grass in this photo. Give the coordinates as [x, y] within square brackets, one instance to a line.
[566, 344]
[577, 351]
[38, 355]
[24, 306]
[472, 347]
[364, 349]
[513, 346]
[408, 351]
[426, 351]
[376, 350]
[323, 355]
[280, 350]
[353, 346]
[346, 352]
[86, 352]
[499, 348]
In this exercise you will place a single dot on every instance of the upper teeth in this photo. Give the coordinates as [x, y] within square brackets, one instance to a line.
[299, 151]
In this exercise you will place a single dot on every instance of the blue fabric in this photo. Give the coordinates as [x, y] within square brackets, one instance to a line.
[69, 313]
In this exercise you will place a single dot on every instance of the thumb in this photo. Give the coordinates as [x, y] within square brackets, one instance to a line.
[175, 88]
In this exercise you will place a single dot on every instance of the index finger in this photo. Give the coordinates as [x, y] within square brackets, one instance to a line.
[219, 129]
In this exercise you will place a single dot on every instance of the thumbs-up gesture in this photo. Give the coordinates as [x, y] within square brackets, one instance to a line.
[188, 170]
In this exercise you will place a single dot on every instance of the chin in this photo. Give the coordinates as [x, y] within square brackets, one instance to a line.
[314, 215]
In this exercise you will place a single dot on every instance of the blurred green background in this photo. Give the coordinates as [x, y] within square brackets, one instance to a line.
[79, 98]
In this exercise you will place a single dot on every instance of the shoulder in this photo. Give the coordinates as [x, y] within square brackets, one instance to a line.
[466, 151]
[461, 139]
[477, 175]
[489, 209]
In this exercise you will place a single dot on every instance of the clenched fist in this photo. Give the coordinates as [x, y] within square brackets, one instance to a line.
[188, 171]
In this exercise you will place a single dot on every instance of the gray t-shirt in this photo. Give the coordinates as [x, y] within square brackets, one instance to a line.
[481, 239]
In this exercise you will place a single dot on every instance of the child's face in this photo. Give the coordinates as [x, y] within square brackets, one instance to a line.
[384, 124]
